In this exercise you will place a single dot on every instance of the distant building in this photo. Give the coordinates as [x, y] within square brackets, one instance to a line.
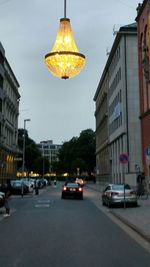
[143, 25]
[49, 150]
[119, 81]
[9, 112]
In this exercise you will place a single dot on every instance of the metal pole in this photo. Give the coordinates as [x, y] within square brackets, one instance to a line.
[23, 150]
[124, 198]
[23, 164]
[43, 161]
[65, 4]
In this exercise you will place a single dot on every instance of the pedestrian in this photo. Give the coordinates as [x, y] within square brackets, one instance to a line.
[55, 182]
[36, 187]
[8, 192]
[140, 189]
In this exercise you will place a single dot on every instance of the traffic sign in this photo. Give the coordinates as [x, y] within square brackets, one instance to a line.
[148, 151]
[123, 158]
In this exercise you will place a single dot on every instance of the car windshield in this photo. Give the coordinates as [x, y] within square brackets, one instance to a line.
[120, 187]
[72, 185]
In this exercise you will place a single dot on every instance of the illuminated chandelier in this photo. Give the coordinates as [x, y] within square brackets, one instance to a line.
[64, 61]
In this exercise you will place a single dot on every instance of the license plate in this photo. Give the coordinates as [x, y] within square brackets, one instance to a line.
[72, 189]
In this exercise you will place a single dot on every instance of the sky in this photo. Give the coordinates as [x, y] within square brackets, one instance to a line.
[59, 109]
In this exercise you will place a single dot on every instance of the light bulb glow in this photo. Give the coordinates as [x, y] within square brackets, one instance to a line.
[64, 61]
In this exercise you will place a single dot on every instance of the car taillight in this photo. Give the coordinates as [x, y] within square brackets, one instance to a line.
[80, 189]
[64, 188]
[114, 194]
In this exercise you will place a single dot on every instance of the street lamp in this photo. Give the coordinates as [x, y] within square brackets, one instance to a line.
[43, 160]
[23, 164]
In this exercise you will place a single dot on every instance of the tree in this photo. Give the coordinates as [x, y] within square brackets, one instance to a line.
[79, 152]
[33, 158]
[41, 164]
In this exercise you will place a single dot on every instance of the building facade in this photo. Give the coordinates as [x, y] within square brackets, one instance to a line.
[101, 116]
[143, 24]
[50, 151]
[123, 121]
[9, 112]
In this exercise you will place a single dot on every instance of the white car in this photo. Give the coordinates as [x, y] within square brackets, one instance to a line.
[2, 199]
[79, 181]
[115, 194]
[29, 185]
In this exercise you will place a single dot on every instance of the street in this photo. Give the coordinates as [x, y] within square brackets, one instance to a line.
[45, 230]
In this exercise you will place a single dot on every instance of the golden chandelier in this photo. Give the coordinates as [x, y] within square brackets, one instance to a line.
[64, 61]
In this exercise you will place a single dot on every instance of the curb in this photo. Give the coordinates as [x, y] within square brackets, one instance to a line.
[132, 226]
[123, 220]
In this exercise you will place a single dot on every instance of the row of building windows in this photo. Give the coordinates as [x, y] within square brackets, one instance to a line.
[115, 124]
[1, 81]
[115, 82]
[1, 59]
[10, 92]
[48, 147]
[9, 137]
[116, 100]
[115, 61]
[48, 152]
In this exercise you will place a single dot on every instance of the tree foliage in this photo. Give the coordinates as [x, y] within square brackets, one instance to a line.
[79, 152]
[33, 158]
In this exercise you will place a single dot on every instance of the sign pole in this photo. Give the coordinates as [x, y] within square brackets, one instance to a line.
[124, 159]
[124, 198]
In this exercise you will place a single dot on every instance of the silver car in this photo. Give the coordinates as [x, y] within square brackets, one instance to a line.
[114, 194]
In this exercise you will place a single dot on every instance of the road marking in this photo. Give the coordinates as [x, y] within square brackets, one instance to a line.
[44, 201]
[42, 206]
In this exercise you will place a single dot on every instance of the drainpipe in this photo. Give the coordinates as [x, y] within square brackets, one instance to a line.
[126, 90]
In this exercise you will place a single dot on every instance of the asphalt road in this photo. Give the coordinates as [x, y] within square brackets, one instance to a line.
[46, 231]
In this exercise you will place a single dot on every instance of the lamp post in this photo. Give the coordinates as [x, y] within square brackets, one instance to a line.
[23, 163]
[43, 160]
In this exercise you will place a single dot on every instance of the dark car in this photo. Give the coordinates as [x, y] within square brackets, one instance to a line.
[2, 199]
[18, 187]
[116, 194]
[72, 190]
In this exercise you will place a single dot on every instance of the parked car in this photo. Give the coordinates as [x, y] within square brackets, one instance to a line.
[113, 194]
[41, 182]
[18, 186]
[72, 190]
[2, 199]
[29, 184]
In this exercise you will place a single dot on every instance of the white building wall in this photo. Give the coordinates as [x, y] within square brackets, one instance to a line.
[125, 137]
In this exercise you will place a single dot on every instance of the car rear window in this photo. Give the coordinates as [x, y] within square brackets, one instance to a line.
[72, 185]
[120, 187]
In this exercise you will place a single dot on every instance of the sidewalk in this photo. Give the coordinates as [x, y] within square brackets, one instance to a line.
[136, 218]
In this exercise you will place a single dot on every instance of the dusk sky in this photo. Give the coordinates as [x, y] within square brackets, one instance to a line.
[59, 109]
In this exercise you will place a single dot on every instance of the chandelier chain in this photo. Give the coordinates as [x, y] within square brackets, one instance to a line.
[65, 3]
